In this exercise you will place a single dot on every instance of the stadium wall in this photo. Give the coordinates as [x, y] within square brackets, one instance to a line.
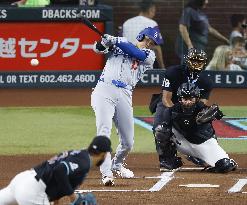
[81, 97]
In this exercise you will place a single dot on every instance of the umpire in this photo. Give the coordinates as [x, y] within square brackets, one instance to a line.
[195, 62]
[57, 177]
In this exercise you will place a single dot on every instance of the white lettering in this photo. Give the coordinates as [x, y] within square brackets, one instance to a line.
[217, 78]
[28, 78]
[228, 80]
[91, 13]
[155, 78]
[11, 79]
[240, 79]
[3, 14]
[143, 78]
[1, 79]
[69, 13]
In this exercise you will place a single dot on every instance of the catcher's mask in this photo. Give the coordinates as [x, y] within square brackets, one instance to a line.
[196, 60]
[188, 94]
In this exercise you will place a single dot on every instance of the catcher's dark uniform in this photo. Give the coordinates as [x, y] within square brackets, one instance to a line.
[174, 77]
[193, 139]
[185, 123]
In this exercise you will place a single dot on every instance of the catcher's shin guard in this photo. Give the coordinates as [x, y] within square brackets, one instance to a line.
[166, 149]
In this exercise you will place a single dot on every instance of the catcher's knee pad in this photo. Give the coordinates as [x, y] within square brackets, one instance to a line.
[162, 133]
[225, 165]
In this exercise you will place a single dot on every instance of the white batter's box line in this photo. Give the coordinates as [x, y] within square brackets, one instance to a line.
[238, 186]
[165, 178]
[110, 190]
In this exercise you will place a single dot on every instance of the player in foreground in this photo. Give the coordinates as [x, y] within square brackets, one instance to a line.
[112, 96]
[57, 177]
[189, 130]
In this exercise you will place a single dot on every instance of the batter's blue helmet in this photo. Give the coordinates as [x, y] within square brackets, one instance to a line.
[151, 33]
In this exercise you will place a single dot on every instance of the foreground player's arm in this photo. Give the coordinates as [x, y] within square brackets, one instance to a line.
[61, 174]
[167, 98]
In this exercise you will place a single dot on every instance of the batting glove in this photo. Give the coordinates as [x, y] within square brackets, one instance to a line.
[108, 40]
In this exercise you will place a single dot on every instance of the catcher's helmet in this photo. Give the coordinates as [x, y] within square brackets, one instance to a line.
[149, 32]
[196, 60]
[188, 90]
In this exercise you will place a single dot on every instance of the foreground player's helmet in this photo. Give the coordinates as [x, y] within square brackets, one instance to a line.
[196, 60]
[188, 90]
[151, 33]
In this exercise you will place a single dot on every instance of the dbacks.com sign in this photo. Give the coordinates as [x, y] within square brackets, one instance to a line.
[70, 13]
[3, 13]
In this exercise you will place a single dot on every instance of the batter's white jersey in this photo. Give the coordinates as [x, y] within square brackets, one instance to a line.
[112, 100]
[133, 26]
[126, 69]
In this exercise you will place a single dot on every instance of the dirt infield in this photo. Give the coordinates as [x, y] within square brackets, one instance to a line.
[145, 165]
[79, 97]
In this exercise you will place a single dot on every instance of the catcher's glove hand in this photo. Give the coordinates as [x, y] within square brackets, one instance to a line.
[87, 199]
[209, 114]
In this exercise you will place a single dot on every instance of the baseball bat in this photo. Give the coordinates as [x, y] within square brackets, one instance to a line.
[89, 24]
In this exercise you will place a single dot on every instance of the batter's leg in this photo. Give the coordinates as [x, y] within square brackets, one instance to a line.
[124, 122]
[104, 110]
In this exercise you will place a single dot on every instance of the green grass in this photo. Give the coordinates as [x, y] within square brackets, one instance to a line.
[54, 129]
[244, 123]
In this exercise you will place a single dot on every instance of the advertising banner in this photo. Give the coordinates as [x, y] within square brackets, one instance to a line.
[80, 79]
[59, 46]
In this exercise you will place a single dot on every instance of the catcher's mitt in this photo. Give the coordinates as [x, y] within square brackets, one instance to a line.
[87, 199]
[209, 114]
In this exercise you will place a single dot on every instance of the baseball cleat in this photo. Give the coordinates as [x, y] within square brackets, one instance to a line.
[123, 172]
[171, 164]
[108, 181]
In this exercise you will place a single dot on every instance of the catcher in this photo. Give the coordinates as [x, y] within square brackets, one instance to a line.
[57, 177]
[189, 130]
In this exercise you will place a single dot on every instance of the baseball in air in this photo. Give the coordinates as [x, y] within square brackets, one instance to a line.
[34, 62]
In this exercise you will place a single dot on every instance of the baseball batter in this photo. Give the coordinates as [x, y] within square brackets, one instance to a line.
[112, 96]
[57, 177]
[190, 129]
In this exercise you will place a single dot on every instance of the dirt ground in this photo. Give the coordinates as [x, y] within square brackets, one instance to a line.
[146, 165]
[81, 96]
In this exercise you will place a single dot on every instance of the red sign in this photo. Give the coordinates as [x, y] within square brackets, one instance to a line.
[57, 46]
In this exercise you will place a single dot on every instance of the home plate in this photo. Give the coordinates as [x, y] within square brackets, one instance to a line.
[200, 185]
